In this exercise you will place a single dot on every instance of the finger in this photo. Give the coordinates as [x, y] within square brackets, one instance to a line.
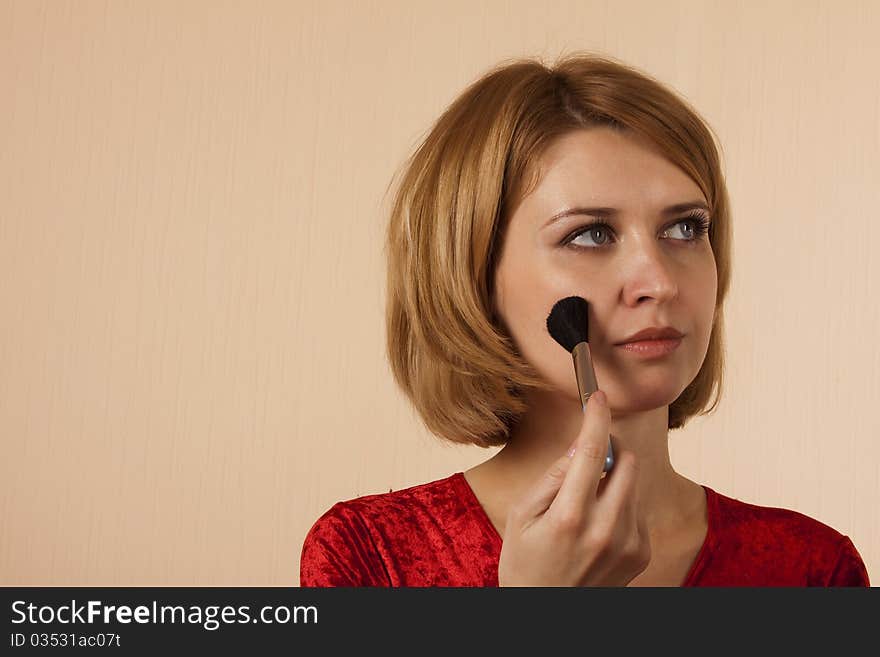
[591, 447]
[620, 494]
[538, 498]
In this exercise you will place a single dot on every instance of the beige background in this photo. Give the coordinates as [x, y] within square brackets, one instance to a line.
[191, 281]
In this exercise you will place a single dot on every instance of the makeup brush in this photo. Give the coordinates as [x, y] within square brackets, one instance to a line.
[569, 326]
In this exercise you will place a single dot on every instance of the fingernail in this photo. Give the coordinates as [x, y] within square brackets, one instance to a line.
[570, 452]
[600, 397]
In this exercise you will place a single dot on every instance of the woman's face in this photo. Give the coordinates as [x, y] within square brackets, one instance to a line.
[647, 268]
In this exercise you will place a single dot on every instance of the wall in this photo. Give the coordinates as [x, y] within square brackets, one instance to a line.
[192, 363]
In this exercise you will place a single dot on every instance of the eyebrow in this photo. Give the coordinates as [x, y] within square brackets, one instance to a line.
[613, 212]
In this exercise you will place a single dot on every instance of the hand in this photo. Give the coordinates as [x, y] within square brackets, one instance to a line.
[574, 527]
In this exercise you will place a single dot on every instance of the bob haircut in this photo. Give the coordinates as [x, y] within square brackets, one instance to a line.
[447, 349]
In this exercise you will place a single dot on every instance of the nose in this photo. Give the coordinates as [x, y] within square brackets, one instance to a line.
[649, 273]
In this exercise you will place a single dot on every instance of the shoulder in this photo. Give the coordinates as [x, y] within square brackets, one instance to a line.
[420, 503]
[791, 539]
[353, 542]
[403, 515]
[377, 504]
[739, 516]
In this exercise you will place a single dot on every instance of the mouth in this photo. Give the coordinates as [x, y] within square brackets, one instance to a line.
[653, 333]
[651, 348]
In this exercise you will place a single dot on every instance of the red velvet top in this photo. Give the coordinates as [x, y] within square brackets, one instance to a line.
[438, 534]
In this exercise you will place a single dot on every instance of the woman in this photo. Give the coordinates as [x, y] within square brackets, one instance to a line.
[590, 179]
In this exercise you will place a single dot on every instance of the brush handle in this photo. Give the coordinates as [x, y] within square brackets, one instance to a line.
[587, 385]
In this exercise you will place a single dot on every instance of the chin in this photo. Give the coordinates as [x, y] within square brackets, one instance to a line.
[641, 398]
[640, 407]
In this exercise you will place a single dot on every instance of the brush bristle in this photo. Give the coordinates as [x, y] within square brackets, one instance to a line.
[567, 322]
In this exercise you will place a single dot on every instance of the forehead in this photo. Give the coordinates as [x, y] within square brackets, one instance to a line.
[604, 166]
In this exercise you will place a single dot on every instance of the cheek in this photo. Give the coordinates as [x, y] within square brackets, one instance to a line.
[697, 303]
[702, 302]
[526, 294]
[551, 361]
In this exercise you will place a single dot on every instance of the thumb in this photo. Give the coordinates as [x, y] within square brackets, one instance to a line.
[538, 498]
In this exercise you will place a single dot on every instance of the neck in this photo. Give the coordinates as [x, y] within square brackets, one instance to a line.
[551, 424]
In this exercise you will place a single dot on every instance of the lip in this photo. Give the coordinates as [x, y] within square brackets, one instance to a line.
[651, 348]
[653, 333]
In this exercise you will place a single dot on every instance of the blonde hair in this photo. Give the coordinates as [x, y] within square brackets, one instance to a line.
[447, 350]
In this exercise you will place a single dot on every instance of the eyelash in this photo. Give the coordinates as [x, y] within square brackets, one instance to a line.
[701, 228]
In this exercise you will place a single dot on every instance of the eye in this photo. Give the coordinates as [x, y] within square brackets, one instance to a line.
[699, 226]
